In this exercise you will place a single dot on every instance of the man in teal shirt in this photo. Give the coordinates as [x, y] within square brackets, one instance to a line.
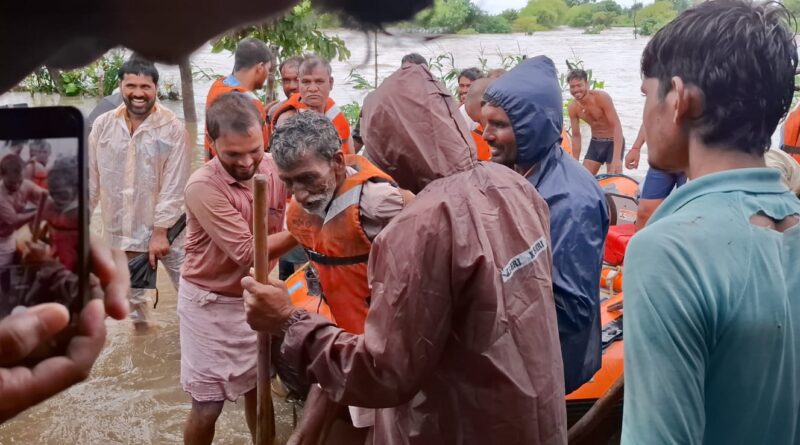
[712, 314]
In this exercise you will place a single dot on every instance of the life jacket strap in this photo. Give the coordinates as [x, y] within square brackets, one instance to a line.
[326, 260]
[791, 149]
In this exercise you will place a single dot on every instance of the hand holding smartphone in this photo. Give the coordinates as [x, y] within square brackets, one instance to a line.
[43, 215]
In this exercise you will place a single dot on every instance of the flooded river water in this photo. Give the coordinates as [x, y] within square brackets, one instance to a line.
[134, 395]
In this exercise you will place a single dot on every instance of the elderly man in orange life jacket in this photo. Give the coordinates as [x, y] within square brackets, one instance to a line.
[316, 82]
[341, 202]
[252, 62]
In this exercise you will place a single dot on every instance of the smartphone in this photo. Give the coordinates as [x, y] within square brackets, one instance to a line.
[44, 244]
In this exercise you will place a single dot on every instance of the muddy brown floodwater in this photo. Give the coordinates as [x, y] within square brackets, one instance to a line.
[133, 395]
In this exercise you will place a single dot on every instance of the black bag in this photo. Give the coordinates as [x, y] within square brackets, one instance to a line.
[142, 275]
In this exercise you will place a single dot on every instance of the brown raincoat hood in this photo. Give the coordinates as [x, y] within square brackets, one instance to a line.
[399, 122]
[460, 345]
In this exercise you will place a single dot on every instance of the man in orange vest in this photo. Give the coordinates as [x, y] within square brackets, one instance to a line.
[473, 103]
[341, 202]
[290, 82]
[36, 169]
[251, 65]
[790, 137]
[316, 82]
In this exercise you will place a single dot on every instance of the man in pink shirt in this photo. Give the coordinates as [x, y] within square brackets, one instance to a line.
[218, 348]
[15, 194]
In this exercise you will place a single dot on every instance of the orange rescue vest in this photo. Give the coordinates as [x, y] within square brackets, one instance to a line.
[39, 176]
[218, 88]
[566, 143]
[332, 112]
[338, 247]
[791, 134]
[484, 151]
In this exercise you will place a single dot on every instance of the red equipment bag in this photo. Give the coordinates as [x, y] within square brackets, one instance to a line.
[617, 242]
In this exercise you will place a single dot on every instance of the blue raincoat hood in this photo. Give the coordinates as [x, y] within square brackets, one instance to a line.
[531, 96]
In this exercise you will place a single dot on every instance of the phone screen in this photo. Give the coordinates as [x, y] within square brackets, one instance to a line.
[42, 235]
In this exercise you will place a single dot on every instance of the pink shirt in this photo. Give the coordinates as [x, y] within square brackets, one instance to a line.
[219, 236]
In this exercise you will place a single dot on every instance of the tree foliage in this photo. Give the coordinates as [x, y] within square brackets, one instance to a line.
[292, 35]
[548, 13]
[654, 16]
[448, 15]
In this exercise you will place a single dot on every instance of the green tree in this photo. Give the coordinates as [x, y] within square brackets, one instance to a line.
[580, 16]
[512, 14]
[294, 34]
[793, 6]
[652, 17]
[491, 24]
[526, 24]
[548, 13]
[681, 5]
[447, 15]
[603, 19]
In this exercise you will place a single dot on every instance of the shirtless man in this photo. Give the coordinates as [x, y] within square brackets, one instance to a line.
[596, 109]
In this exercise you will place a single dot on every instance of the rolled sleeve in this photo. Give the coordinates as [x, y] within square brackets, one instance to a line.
[222, 222]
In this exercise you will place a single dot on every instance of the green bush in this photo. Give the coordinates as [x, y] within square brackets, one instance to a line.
[654, 16]
[548, 13]
[512, 14]
[594, 29]
[580, 16]
[491, 24]
[526, 24]
[447, 15]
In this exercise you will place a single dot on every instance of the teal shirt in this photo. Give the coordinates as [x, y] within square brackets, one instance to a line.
[712, 317]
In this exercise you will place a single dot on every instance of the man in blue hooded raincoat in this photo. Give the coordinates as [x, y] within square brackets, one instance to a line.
[524, 119]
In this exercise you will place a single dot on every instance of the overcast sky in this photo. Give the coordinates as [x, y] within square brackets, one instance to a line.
[497, 6]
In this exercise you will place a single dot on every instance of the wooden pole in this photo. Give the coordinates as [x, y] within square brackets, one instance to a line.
[599, 418]
[265, 426]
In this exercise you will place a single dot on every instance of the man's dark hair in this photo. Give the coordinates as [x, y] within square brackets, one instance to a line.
[742, 56]
[249, 53]
[578, 74]
[136, 65]
[11, 163]
[291, 62]
[232, 112]
[414, 58]
[472, 74]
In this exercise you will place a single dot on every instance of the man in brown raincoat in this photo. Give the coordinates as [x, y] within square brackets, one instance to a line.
[461, 342]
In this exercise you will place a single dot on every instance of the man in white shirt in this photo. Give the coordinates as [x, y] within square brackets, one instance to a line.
[138, 168]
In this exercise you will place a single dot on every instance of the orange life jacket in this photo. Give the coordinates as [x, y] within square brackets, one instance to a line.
[338, 247]
[39, 174]
[791, 134]
[332, 112]
[484, 151]
[566, 143]
[218, 88]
